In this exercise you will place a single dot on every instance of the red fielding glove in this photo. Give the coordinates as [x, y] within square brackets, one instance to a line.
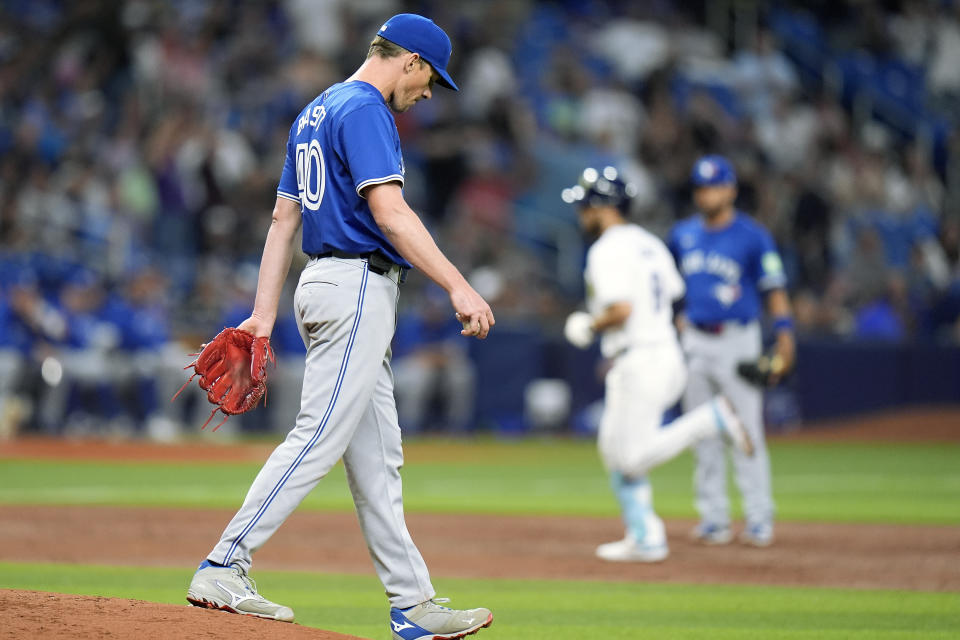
[233, 371]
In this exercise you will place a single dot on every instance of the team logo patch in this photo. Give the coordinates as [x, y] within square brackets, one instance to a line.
[383, 28]
[727, 294]
[707, 170]
[771, 263]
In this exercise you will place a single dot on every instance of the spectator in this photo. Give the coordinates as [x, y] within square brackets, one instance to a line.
[788, 132]
[944, 72]
[433, 377]
[89, 400]
[635, 48]
[867, 274]
[763, 75]
[153, 134]
[912, 30]
[12, 406]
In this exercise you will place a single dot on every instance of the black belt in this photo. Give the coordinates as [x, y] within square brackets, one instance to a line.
[376, 262]
[716, 328]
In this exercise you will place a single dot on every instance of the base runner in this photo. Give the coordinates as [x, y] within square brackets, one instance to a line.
[631, 283]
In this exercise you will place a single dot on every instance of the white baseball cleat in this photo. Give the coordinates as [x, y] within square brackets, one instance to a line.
[230, 589]
[731, 426]
[628, 550]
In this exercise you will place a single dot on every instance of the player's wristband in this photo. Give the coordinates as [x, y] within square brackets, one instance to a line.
[782, 323]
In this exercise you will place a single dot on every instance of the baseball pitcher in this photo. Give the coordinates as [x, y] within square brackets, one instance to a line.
[731, 266]
[342, 182]
[631, 283]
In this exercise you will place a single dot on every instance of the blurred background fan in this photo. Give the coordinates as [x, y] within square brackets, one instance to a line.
[141, 143]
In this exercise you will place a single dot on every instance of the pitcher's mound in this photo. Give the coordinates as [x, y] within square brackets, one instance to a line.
[38, 614]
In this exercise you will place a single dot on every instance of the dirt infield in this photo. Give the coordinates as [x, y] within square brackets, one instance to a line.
[37, 614]
[805, 554]
[907, 425]
[481, 546]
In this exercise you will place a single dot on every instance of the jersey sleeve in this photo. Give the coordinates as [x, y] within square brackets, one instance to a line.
[769, 266]
[609, 281]
[288, 177]
[371, 147]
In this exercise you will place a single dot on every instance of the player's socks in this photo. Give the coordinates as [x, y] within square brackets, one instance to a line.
[210, 563]
[645, 540]
[636, 503]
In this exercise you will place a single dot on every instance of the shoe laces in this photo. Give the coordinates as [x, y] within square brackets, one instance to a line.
[436, 603]
[247, 581]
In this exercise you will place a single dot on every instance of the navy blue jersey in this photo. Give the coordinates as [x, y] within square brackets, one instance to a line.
[726, 270]
[342, 142]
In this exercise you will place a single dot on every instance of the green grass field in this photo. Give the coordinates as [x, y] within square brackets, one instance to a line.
[896, 483]
[907, 483]
[556, 610]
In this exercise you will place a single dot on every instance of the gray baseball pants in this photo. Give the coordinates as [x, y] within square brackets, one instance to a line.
[347, 316]
[711, 365]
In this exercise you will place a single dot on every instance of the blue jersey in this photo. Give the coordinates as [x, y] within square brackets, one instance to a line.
[726, 270]
[342, 142]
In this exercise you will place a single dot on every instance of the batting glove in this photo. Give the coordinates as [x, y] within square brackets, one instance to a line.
[578, 329]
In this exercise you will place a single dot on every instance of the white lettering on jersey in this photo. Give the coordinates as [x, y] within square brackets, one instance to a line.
[713, 263]
[311, 174]
[692, 262]
[313, 119]
[311, 171]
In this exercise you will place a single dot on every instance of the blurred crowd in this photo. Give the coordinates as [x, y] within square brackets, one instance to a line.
[141, 143]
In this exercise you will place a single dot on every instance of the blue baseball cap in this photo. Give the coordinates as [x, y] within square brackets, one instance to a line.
[713, 170]
[421, 35]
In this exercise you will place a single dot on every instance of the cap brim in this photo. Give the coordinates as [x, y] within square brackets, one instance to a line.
[445, 79]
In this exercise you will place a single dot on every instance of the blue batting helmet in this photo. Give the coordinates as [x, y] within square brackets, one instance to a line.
[713, 170]
[603, 187]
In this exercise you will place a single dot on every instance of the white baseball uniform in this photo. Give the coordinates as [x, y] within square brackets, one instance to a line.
[648, 376]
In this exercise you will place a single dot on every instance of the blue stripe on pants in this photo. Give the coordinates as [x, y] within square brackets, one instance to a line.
[316, 436]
